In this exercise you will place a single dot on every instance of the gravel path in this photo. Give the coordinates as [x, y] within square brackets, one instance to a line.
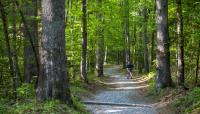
[120, 90]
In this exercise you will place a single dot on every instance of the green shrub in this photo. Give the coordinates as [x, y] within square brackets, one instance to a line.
[152, 84]
[189, 104]
[79, 106]
[2, 107]
[26, 91]
[47, 107]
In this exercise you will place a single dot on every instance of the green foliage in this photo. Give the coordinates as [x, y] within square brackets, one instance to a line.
[113, 12]
[47, 107]
[2, 106]
[78, 88]
[152, 84]
[152, 76]
[27, 104]
[189, 104]
[79, 106]
[25, 91]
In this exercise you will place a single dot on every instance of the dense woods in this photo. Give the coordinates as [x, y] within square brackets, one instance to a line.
[48, 47]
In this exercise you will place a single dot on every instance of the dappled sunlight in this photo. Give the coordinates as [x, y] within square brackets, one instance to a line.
[116, 83]
[130, 88]
[114, 99]
[112, 111]
[115, 76]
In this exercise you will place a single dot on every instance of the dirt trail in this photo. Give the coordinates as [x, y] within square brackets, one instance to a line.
[121, 91]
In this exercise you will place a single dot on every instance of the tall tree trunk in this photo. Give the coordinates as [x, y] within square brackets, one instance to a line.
[105, 55]
[126, 30]
[197, 65]
[84, 42]
[7, 39]
[53, 81]
[134, 45]
[140, 50]
[118, 57]
[15, 56]
[30, 67]
[100, 42]
[123, 34]
[180, 73]
[152, 49]
[34, 48]
[163, 52]
[146, 59]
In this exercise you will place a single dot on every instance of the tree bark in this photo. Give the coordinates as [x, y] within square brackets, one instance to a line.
[152, 49]
[140, 50]
[180, 73]
[197, 65]
[127, 32]
[105, 55]
[36, 55]
[53, 82]
[15, 55]
[163, 52]
[100, 41]
[135, 46]
[84, 42]
[30, 67]
[146, 59]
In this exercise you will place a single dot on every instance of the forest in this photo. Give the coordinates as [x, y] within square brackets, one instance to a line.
[73, 57]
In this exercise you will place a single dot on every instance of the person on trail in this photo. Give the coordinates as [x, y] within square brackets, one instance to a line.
[129, 67]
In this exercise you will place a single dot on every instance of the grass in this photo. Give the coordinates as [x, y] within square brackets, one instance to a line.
[27, 104]
[34, 107]
[188, 104]
[31, 106]
[180, 101]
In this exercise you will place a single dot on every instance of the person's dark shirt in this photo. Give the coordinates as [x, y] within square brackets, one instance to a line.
[129, 66]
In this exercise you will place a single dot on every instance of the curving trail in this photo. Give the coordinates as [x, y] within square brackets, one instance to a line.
[121, 97]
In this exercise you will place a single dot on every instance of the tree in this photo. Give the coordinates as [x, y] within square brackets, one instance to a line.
[15, 54]
[30, 67]
[152, 41]
[126, 30]
[8, 46]
[53, 82]
[25, 24]
[84, 42]
[163, 53]
[140, 47]
[100, 41]
[197, 65]
[146, 60]
[180, 73]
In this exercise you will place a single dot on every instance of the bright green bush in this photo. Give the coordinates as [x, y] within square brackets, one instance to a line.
[2, 107]
[189, 104]
[25, 91]
[78, 105]
[27, 104]
[47, 107]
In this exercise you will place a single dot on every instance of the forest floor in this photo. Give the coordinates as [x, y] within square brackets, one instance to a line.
[122, 95]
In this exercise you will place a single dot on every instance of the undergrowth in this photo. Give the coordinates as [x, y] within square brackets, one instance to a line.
[188, 104]
[181, 101]
[26, 102]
